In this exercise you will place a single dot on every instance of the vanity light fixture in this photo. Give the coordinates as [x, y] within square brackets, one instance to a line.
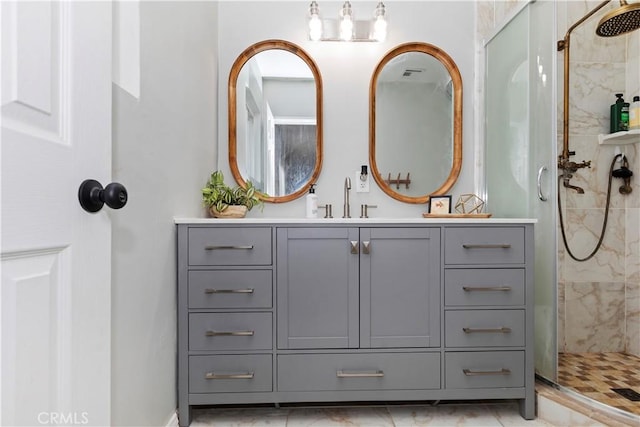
[346, 28]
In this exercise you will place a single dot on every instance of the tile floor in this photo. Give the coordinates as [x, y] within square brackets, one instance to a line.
[595, 374]
[498, 413]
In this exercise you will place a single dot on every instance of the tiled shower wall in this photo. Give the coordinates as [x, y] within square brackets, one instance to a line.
[598, 300]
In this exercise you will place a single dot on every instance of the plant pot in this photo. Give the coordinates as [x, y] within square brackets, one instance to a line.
[233, 211]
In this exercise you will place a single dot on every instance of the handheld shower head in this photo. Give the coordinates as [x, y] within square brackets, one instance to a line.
[619, 21]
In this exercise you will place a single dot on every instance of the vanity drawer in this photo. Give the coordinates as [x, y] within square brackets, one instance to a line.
[230, 289]
[491, 245]
[371, 371]
[230, 331]
[484, 328]
[231, 373]
[473, 287]
[230, 246]
[491, 369]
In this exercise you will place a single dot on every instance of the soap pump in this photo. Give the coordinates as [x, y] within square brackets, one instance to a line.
[312, 203]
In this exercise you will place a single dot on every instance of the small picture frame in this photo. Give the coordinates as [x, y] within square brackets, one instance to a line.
[440, 205]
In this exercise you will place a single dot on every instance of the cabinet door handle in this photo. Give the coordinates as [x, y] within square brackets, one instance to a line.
[486, 288]
[214, 376]
[503, 330]
[366, 247]
[362, 374]
[498, 246]
[354, 246]
[216, 247]
[229, 333]
[228, 291]
[470, 373]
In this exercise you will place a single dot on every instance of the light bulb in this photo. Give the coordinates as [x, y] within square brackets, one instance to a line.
[346, 22]
[315, 24]
[346, 28]
[380, 24]
[380, 29]
[315, 28]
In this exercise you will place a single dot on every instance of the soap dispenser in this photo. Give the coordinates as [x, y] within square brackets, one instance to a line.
[312, 203]
[619, 115]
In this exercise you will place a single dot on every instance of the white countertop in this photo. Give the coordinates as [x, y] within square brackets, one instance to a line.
[355, 221]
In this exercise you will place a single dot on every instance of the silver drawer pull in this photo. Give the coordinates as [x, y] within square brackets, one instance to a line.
[499, 246]
[486, 288]
[229, 333]
[228, 291]
[215, 247]
[214, 376]
[470, 373]
[364, 374]
[503, 330]
[354, 246]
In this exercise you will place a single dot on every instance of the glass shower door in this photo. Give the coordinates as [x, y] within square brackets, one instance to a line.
[520, 151]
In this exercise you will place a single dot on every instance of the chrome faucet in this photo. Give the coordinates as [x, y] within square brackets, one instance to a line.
[347, 208]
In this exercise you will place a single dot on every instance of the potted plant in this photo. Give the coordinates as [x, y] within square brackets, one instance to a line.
[226, 202]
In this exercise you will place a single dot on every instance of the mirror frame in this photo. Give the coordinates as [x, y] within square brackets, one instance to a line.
[456, 78]
[233, 80]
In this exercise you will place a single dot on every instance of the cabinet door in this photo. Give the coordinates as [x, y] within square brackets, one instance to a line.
[317, 288]
[400, 287]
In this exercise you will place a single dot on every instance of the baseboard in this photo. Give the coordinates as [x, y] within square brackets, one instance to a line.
[173, 420]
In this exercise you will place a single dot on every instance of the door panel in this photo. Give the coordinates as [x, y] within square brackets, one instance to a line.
[400, 287]
[55, 259]
[520, 137]
[317, 288]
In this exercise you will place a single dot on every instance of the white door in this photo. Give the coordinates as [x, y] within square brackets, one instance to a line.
[55, 301]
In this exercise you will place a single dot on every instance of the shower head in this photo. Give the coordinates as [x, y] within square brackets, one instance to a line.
[620, 20]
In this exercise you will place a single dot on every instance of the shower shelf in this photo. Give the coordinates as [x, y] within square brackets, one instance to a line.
[620, 138]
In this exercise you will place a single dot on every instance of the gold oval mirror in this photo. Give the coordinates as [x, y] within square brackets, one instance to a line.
[415, 122]
[275, 120]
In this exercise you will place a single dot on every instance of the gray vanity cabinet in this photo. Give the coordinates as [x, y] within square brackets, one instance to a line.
[325, 311]
[358, 288]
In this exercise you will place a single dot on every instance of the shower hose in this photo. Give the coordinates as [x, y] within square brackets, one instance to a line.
[604, 222]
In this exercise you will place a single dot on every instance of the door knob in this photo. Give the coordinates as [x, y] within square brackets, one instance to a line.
[92, 196]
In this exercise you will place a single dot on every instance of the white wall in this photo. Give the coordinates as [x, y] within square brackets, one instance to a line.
[346, 70]
[164, 146]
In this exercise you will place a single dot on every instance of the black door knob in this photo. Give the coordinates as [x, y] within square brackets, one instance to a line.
[92, 196]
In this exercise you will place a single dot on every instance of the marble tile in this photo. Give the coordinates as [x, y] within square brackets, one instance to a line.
[504, 9]
[485, 11]
[592, 89]
[632, 151]
[632, 317]
[633, 64]
[594, 317]
[632, 239]
[561, 318]
[583, 227]
[594, 180]
[508, 415]
[352, 417]
[237, 417]
[443, 415]
[586, 46]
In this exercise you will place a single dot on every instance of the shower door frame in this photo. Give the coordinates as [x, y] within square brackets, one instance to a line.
[542, 150]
